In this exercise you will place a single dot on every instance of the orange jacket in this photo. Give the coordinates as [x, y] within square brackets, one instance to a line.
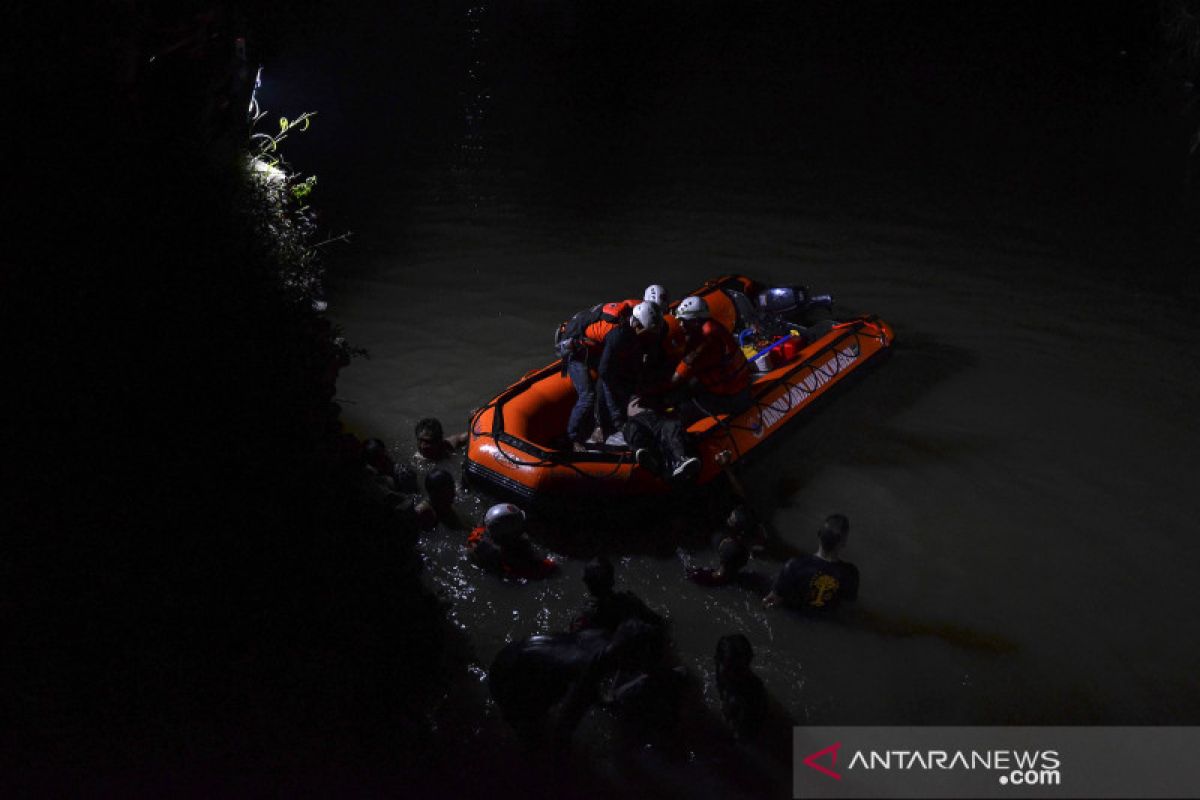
[674, 341]
[714, 359]
[595, 333]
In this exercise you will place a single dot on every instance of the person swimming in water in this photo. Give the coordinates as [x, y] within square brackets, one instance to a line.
[399, 478]
[818, 583]
[440, 487]
[608, 608]
[531, 676]
[733, 557]
[743, 696]
[501, 545]
[432, 442]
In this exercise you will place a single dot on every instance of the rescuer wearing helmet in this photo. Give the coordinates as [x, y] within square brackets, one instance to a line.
[661, 358]
[500, 545]
[608, 338]
[658, 295]
[713, 366]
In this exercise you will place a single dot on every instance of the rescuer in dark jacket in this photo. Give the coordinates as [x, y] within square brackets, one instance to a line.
[608, 339]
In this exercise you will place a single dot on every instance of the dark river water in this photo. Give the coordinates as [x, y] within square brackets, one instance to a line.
[1020, 476]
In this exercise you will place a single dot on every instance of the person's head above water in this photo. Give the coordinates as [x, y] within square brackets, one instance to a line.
[504, 522]
[599, 576]
[733, 555]
[833, 533]
[741, 519]
[439, 485]
[375, 455]
[734, 653]
[430, 438]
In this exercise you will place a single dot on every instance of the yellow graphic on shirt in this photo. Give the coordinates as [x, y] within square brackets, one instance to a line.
[822, 589]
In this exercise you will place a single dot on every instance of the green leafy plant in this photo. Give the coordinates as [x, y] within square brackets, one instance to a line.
[304, 188]
[287, 224]
[266, 146]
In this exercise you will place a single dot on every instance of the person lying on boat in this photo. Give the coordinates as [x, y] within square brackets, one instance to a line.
[609, 339]
[818, 583]
[501, 545]
[530, 676]
[607, 608]
[743, 695]
[659, 444]
[713, 368]
[432, 442]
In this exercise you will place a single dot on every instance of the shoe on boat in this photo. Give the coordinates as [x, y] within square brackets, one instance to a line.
[687, 469]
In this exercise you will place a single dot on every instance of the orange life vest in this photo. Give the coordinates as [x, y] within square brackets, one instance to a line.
[674, 342]
[610, 316]
[475, 537]
[715, 360]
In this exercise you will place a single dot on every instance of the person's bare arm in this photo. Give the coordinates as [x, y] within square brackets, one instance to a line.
[724, 459]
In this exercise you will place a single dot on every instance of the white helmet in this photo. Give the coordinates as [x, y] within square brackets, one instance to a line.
[693, 308]
[504, 521]
[646, 315]
[657, 294]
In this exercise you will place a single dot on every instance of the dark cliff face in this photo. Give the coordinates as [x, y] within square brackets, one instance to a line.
[185, 534]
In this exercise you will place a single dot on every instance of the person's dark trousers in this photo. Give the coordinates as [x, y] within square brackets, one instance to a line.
[662, 434]
[610, 407]
[584, 411]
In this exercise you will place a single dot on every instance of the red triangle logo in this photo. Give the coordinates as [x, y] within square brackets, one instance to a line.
[831, 751]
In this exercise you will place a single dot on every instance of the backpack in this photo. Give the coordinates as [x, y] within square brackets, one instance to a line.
[571, 336]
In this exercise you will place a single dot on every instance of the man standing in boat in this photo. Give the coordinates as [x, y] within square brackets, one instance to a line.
[713, 366]
[661, 358]
[608, 339]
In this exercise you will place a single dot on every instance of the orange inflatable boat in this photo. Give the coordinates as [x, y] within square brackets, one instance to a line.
[512, 451]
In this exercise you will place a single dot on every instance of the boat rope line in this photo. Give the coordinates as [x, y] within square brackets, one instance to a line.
[541, 457]
[792, 381]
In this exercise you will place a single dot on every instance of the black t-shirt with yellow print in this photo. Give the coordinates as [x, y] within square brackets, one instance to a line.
[814, 584]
